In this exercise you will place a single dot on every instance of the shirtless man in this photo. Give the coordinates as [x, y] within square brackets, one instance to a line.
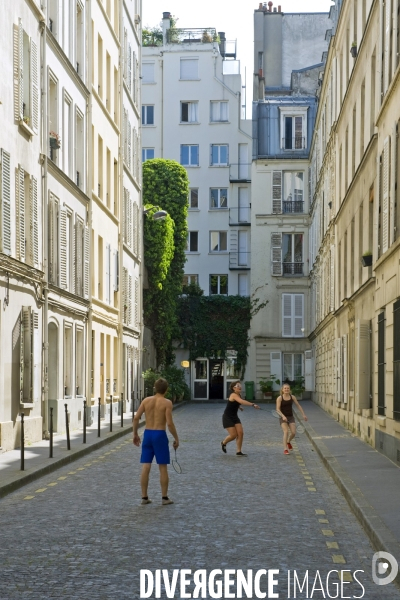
[158, 411]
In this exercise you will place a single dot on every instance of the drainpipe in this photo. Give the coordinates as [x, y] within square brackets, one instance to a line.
[120, 329]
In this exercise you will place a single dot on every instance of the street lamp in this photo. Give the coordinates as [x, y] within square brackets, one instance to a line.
[160, 214]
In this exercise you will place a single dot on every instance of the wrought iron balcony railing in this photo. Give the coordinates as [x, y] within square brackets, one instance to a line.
[295, 143]
[192, 36]
[295, 268]
[292, 206]
[240, 215]
[239, 172]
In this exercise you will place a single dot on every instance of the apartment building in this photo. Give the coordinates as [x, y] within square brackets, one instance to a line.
[192, 113]
[64, 246]
[354, 253]
[284, 111]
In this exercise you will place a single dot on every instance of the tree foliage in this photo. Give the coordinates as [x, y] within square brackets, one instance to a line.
[166, 185]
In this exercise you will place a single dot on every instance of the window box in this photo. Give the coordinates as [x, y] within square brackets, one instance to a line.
[55, 141]
[366, 260]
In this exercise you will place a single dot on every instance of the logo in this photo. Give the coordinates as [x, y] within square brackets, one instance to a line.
[384, 563]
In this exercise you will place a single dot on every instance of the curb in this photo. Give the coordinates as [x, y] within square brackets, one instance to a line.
[65, 460]
[379, 534]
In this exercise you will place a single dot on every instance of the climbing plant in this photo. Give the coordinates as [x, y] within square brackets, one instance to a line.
[166, 185]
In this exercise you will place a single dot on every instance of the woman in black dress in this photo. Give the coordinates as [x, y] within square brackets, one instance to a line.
[231, 421]
[284, 404]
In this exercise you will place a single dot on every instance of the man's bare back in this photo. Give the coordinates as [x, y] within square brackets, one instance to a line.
[155, 408]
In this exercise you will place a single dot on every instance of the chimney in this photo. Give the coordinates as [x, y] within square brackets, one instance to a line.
[222, 43]
[166, 24]
[279, 8]
[275, 9]
[260, 6]
[270, 4]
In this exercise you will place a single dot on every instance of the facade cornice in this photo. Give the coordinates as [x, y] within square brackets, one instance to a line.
[347, 301]
[35, 8]
[131, 254]
[330, 317]
[16, 268]
[53, 43]
[77, 300]
[382, 259]
[105, 208]
[65, 308]
[392, 88]
[65, 180]
[131, 332]
[131, 177]
[105, 111]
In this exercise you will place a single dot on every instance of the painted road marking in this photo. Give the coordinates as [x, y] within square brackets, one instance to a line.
[319, 512]
[62, 478]
[345, 576]
[29, 497]
[52, 484]
[333, 545]
[312, 489]
[327, 532]
[338, 559]
[323, 520]
[72, 473]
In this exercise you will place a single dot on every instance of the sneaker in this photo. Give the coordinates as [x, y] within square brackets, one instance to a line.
[286, 452]
[240, 454]
[146, 501]
[166, 501]
[223, 446]
[289, 445]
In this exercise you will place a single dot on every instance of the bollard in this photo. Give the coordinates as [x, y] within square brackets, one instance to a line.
[84, 421]
[22, 443]
[67, 427]
[51, 433]
[122, 409]
[98, 420]
[110, 413]
[132, 401]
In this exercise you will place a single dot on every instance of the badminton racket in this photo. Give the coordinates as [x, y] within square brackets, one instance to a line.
[299, 428]
[177, 467]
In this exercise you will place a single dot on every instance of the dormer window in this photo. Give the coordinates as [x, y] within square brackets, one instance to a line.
[293, 128]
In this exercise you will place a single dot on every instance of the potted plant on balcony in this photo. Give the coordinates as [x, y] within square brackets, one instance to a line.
[55, 140]
[297, 387]
[267, 385]
[353, 50]
[366, 258]
[206, 37]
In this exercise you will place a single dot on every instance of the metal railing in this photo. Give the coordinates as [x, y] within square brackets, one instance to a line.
[191, 36]
[240, 215]
[239, 261]
[295, 268]
[295, 143]
[239, 172]
[292, 206]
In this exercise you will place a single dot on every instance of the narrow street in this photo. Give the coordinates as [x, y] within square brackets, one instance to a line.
[81, 533]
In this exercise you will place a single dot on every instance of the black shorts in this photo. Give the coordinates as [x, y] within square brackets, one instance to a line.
[228, 421]
[289, 420]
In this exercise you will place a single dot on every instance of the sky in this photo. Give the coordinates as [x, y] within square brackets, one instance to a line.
[235, 18]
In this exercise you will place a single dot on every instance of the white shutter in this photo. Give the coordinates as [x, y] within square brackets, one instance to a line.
[309, 370]
[20, 213]
[129, 134]
[332, 277]
[287, 315]
[189, 68]
[136, 302]
[34, 237]
[130, 231]
[298, 314]
[393, 209]
[63, 248]
[5, 199]
[125, 135]
[277, 192]
[18, 71]
[344, 358]
[108, 272]
[125, 294]
[86, 254]
[35, 87]
[116, 271]
[78, 257]
[129, 67]
[26, 339]
[276, 365]
[362, 364]
[276, 253]
[72, 251]
[125, 70]
[36, 358]
[338, 344]
[125, 214]
[135, 228]
[387, 34]
[52, 240]
[385, 195]
[129, 299]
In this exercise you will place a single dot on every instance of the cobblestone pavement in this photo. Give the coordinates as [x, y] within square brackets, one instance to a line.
[81, 533]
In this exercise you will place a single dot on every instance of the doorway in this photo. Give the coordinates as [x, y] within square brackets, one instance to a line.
[216, 381]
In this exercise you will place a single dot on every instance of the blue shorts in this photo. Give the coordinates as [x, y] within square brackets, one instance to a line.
[155, 444]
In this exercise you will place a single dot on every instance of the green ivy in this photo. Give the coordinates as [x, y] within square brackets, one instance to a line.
[165, 184]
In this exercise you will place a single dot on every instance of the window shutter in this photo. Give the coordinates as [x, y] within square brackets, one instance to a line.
[125, 294]
[332, 277]
[73, 248]
[309, 371]
[52, 240]
[26, 354]
[387, 35]
[35, 87]
[20, 213]
[116, 271]
[125, 53]
[136, 302]
[129, 67]
[5, 199]
[344, 358]
[135, 228]
[287, 315]
[276, 365]
[17, 71]
[277, 192]
[36, 358]
[189, 68]
[129, 161]
[129, 299]
[362, 364]
[125, 135]
[130, 210]
[298, 302]
[108, 272]
[338, 344]
[276, 253]
[393, 210]
[63, 248]
[86, 254]
[34, 238]
[385, 193]
[79, 257]
[139, 234]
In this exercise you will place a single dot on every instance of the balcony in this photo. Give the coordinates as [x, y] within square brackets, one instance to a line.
[296, 143]
[239, 172]
[240, 215]
[292, 206]
[239, 261]
[295, 268]
[192, 36]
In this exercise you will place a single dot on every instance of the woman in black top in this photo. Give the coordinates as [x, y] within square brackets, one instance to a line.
[284, 404]
[231, 421]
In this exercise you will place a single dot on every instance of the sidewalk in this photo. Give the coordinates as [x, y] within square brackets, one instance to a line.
[369, 481]
[37, 462]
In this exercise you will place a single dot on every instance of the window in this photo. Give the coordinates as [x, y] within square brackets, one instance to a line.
[293, 128]
[292, 251]
[189, 155]
[26, 335]
[147, 114]
[381, 364]
[189, 112]
[219, 112]
[218, 241]
[219, 154]
[147, 153]
[292, 315]
[26, 79]
[148, 72]
[219, 284]
[293, 192]
[193, 241]
[194, 198]
[292, 366]
[189, 279]
[79, 149]
[218, 198]
[189, 68]
[243, 284]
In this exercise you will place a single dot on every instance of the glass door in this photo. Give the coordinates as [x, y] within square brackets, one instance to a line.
[200, 379]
